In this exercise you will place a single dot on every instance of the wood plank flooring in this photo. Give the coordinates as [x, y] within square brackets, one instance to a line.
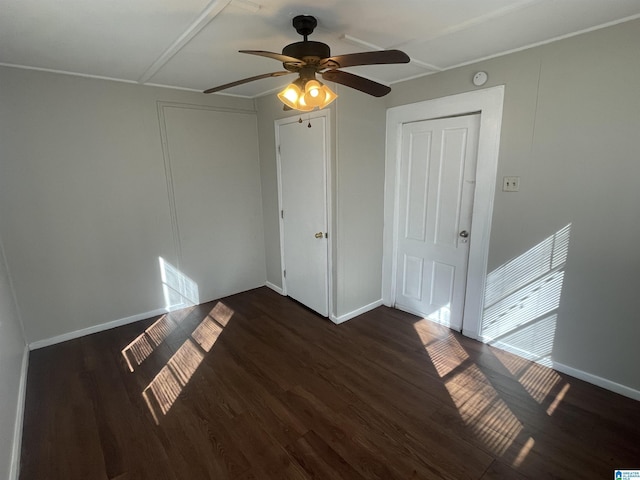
[255, 386]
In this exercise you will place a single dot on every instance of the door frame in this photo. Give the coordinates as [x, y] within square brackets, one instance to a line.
[326, 115]
[489, 103]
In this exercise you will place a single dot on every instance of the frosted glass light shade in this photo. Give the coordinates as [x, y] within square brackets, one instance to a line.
[314, 95]
[290, 95]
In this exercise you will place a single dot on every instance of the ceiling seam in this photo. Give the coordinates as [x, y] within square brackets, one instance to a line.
[546, 42]
[210, 12]
[500, 12]
[65, 72]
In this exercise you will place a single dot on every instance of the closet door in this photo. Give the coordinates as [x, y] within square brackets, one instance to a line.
[302, 168]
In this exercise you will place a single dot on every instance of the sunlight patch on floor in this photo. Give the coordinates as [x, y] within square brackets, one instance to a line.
[185, 361]
[446, 355]
[207, 333]
[161, 329]
[144, 344]
[137, 351]
[221, 313]
[429, 332]
[524, 451]
[558, 400]
[539, 381]
[163, 391]
[483, 411]
[166, 387]
[478, 403]
[515, 364]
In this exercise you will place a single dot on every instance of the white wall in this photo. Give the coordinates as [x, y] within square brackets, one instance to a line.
[569, 130]
[85, 207]
[12, 351]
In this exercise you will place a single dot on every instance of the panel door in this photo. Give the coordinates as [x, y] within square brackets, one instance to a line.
[436, 187]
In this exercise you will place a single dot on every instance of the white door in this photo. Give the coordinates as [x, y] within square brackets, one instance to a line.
[436, 186]
[303, 196]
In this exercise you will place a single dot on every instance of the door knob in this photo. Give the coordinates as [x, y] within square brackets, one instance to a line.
[319, 235]
[464, 234]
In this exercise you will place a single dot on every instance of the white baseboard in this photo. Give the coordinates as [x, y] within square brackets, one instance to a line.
[574, 372]
[598, 381]
[355, 313]
[534, 357]
[14, 469]
[95, 329]
[471, 334]
[275, 288]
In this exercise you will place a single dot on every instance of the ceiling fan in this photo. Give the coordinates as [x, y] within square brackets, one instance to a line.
[308, 58]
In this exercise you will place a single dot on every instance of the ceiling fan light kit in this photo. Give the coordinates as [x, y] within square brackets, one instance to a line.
[308, 58]
[306, 95]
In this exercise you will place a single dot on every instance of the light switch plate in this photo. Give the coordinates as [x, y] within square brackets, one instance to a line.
[510, 184]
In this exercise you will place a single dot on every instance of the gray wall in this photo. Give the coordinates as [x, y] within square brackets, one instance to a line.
[216, 191]
[12, 347]
[357, 136]
[569, 130]
[84, 204]
[359, 185]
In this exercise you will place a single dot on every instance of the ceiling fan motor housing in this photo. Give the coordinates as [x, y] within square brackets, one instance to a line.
[307, 49]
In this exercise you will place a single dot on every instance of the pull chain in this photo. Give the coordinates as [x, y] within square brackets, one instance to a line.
[308, 125]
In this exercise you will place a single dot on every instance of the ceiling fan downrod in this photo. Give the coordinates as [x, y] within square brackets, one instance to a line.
[308, 50]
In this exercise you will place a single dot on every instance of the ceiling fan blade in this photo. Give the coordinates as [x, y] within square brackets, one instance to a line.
[378, 57]
[247, 80]
[355, 81]
[276, 56]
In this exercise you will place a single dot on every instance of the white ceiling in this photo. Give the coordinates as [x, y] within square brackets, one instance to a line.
[193, 44]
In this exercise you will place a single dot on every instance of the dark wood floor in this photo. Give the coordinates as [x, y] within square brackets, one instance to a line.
[254, 386]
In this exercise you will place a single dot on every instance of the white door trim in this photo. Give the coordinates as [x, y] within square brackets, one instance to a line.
[326, 114]
[489, 102]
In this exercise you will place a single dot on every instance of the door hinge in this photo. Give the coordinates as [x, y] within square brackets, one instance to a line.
[278, 149]
[281, 213]
[284, 273]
